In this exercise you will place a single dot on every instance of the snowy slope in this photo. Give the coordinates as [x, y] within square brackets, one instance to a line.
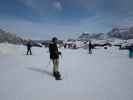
[104, 75]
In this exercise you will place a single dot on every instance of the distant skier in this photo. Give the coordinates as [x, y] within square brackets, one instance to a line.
[130, 51]
[54, 56]
[29, 45]
[90, 47]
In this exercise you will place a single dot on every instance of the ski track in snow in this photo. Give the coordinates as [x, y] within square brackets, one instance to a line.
[104, 75]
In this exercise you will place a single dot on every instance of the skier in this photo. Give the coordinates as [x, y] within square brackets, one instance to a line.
[54, 56]
[130, 51]
[90, 47]
[29, 47]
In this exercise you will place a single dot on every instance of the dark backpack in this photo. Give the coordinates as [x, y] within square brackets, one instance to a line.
[53, 49]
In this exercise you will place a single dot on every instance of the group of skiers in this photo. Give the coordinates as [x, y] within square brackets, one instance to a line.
[54, 56]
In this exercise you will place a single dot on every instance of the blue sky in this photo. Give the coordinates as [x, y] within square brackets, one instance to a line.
[42, 19]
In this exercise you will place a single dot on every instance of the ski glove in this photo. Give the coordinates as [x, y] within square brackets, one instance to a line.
[59, 53]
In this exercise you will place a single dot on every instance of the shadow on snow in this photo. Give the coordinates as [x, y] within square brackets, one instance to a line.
[42, 71]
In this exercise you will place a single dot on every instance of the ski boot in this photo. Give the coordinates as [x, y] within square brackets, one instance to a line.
[57, 75]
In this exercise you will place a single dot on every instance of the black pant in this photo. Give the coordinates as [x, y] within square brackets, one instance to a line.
[90, 51]
[29, 50]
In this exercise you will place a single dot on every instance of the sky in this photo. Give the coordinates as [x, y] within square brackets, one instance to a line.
[42, 19]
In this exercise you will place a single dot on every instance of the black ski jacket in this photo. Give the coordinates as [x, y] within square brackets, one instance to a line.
[53, 50]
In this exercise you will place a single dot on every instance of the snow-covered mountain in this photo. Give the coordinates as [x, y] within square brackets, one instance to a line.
[88, 36]
[10, 37]
[120, 33]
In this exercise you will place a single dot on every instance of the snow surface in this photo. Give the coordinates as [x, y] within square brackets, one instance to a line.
[104, 75]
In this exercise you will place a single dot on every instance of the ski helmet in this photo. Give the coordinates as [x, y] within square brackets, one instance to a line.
[54, 39]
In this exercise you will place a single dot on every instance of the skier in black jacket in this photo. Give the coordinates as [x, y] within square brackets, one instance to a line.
[29, 45]
[54, 56]
[90, 47]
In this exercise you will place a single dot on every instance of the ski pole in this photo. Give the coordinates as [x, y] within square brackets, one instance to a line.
[61, 56]
[48, 63]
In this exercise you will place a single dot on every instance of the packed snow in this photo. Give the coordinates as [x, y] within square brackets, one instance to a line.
[103, 75]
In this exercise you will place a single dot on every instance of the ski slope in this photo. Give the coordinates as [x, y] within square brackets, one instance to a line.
[104, 75]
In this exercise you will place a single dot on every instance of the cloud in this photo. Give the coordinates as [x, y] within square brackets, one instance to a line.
[36, 29]
[82, 8]
[65, 17]
[57, 5]
[103, 22]
[44, 30]
[115, 7]
[43, 7]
